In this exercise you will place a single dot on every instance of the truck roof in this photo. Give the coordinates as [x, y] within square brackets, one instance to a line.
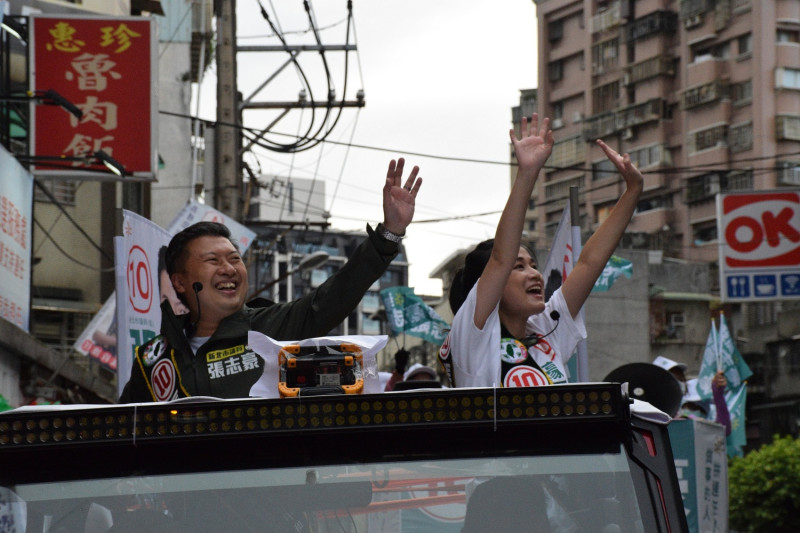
[556, 458]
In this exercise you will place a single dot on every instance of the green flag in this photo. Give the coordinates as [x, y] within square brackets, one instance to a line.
[407, 313]
[721, 354]
[615, 267]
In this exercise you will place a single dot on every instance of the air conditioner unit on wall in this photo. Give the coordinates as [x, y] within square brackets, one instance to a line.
[691, 22]
[678, 319]
[557, 123]
[627, 134]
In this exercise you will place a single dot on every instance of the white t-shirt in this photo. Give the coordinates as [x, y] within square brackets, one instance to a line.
[477, 357]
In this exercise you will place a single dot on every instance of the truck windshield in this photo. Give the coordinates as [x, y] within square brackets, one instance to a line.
[550, 493]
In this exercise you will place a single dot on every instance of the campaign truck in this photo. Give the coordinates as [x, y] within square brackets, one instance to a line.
[575, 458]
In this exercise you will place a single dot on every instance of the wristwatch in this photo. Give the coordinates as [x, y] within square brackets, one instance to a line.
[388, 235]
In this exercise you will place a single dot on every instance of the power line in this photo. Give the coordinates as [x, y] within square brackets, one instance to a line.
[576, 168]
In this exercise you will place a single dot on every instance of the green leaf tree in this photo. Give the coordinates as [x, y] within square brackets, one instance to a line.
[764, 486]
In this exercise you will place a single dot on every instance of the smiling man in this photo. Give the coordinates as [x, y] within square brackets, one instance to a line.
[205, 352]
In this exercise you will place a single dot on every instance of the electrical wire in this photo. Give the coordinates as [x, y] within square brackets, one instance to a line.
[307, 141]
[55, 201]
[64, 252]
[275, 28]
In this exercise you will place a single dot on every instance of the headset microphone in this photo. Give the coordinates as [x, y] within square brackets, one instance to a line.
[533, 340]
[192, 327]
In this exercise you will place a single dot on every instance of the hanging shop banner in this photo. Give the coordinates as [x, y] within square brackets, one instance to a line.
[16, 205]
[759, 245]
[106, 67]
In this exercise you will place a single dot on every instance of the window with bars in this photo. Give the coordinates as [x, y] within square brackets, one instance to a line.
[789, 173]
[702, 94]
[703, 187]
[555, 70]
[787, 78]
[603, 169]
[742, 92]
[708, 138]
[739, 180]
[568, 152]
[63, 191]
[555, 30]
[647, 156]
[740, 137]
[606, 97]
[605, 55]
[787, 127]
[745, 44]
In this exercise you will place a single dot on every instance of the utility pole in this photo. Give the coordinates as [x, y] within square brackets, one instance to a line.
[228, 149]
[227, 162]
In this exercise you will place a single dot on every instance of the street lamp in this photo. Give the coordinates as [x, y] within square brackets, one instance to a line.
[308, 262]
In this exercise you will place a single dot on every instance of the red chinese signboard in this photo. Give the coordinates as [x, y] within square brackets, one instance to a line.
[105, 67]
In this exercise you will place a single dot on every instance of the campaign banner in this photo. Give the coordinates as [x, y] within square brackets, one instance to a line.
[107, 68]
[701, 462]
[16, 216]
[99, 339]
[197, 212]
[142, 284]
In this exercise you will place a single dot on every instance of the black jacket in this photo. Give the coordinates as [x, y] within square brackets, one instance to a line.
[165, 368]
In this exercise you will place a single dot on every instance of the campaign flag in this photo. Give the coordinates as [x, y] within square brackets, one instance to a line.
[139, 287]
[557, 267]
[559, 261]
[615, 267]
[407, 313]
[721, 354]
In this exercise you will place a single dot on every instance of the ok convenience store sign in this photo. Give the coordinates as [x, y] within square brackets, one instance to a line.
[759, 245]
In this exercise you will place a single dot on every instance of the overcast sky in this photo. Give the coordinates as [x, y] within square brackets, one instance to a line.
[439, 77]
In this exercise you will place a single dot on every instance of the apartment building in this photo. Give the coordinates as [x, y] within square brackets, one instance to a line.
[704, 95]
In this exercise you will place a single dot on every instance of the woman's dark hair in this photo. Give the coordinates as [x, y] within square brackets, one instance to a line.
[467, 276]
[175, 257]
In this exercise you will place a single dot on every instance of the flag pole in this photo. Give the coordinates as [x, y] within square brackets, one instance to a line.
[716, 341]
[582, 361]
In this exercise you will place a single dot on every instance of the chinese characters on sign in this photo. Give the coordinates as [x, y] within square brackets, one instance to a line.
[16, 193]
[104, 66]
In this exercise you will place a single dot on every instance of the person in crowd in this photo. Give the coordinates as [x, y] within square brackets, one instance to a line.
[693, 406]
[503, 331]
[400, 363]
[678, 370]
[420, 372]
[205, 352]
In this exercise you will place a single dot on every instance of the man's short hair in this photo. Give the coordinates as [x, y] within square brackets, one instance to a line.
[176, 251]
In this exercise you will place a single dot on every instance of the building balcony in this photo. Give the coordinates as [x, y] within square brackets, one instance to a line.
[703, 94]
[705, 69]
[608, 123]
[665, 22]
[695, 13]
[637, 114]
[653, 220]
[606, 20]
[649, 68]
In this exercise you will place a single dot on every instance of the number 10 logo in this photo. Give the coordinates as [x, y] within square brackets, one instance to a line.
[140, 284]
